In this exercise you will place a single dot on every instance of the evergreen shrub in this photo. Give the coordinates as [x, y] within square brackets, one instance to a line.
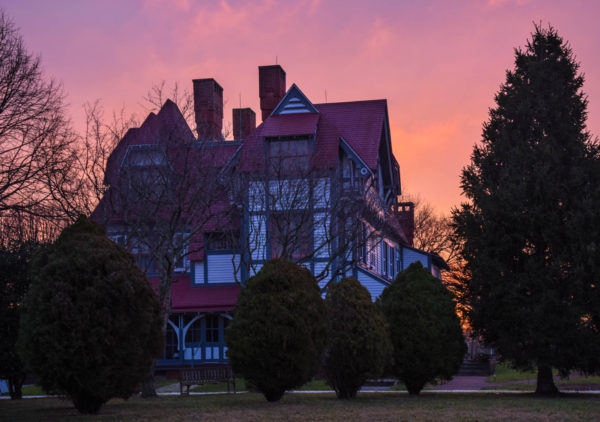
[278, 333]
[425, 331]
[91, 325]
[359, 344]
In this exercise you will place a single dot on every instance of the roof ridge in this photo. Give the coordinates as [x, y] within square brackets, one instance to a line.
[352, 102]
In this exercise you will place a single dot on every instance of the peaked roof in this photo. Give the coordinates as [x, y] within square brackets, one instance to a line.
[294, 102]
[359, 123]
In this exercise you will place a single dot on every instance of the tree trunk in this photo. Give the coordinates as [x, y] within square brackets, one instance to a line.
[15, 386]
[148, 389]
[545, 382]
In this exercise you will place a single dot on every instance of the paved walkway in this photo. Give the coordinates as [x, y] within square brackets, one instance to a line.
[463, 383]
[459, 384]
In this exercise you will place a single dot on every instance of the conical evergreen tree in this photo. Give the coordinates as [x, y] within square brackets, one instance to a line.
[530, 226]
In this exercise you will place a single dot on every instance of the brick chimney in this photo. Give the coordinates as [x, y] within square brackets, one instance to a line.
[405, 214]
[208, 109]
[244, 122]
[271, 88]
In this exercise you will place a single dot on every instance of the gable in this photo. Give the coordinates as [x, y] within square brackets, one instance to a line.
[294, 102]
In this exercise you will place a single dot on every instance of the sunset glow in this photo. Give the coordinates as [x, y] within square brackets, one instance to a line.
[438, 63]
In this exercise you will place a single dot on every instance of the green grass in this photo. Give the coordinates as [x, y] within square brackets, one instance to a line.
[578, 382]
[315, 385]
[163, 382]
[33, 390]
[240, 384]
[504, 374]
[321, 407]
[221, 387]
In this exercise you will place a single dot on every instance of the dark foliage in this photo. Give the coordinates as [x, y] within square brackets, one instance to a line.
[14, 283]
[278, 334]
[424, 328]
[358, 344]
[531, 228]
[91, 325]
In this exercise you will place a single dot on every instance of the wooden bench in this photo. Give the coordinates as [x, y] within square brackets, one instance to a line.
[206, 374]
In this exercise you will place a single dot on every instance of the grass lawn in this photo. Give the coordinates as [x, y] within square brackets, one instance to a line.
[240, 385]
[528, 380]
[322, 407]
[574, 383]
[504, 374]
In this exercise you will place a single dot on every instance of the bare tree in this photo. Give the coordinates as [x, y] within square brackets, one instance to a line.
[165, 189]
[434, 233]
[158, 94]
[35, 136]
[303, 214]
[79, 188]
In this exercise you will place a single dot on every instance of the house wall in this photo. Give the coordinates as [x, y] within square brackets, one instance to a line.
[411, 255]
[374, 284]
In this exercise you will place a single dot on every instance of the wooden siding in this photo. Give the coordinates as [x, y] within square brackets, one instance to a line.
[199, 272]
[289, 194]
[258, 237]
[256, 197]
[321, 233]
[221, 268]
[320, 266]
[321, 193]
[411, 256]
[374, 255]
[372, 283]
[255, 268]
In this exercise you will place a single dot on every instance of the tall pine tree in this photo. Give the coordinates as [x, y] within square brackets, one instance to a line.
[529, 227]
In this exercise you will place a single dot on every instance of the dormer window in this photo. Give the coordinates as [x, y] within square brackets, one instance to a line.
[144, 156]
[146, 172]
[289, 155]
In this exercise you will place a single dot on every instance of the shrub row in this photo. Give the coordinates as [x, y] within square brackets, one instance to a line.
[282, 331]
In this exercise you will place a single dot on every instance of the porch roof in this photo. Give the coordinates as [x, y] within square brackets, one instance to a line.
[188, 297]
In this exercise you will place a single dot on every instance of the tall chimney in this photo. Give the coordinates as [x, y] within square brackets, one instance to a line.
[208, 109]
[405, 214]
[271, 88]
[244, 122]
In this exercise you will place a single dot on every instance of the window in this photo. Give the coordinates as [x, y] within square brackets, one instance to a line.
[361, 252]
[352, 179]
[193, 335]
[146, 172]
[392, 262]
[290, 234]
[222, 241]
[289, 155]
[212, 329]
[119, 239]
[171, 346]
[179, 250]
[144, 262]
[372, 245]
[385, 258]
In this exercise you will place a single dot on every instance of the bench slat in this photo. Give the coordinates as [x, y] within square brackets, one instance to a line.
[201, 375]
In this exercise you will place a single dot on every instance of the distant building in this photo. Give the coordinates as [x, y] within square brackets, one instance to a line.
[301, 169]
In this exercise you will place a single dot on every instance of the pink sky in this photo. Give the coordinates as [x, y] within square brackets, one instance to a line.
[438, 63]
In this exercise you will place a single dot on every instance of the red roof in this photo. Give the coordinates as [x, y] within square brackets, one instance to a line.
[187, 297]
[291, 124]
[359, 123]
